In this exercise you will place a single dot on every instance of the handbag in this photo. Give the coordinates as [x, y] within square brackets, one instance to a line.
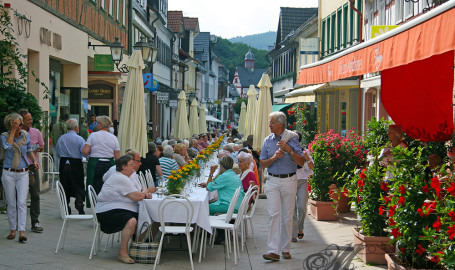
[143, 250]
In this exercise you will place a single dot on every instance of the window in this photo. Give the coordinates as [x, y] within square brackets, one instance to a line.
[339, 29]
[333, 33]
[323, 35]
[111, 7]
[399, 5]
[359, 7]
[103, 4]
[408, 9]
[328, 35]
[345, 25]
[124, 12]
[381, 13]
[351, 26]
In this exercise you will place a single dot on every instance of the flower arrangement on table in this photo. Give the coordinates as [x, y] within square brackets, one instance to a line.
[335, 157]
[179, 178]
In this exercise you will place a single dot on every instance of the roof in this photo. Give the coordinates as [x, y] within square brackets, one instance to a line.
[248, 76]
[174, 19]
[249, 55]
[291, 19]
[190, 23]
[202, 46]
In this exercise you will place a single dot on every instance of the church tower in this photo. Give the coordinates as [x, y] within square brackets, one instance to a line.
[249, 60]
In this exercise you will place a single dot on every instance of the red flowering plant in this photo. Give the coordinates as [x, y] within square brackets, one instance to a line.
[367, 187]
[335, 157]
[408, 210]
[441, 234]
[303, 117]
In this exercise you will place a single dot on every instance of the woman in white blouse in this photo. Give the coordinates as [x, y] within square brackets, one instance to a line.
[117, 207]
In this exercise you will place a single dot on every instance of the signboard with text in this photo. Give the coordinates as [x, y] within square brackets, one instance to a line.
[103, 62]
[162, 97]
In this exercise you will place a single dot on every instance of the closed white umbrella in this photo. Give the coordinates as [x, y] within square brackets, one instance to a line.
[242, 118]
[194, 123]
[202, 123]
[251, 112]
[132, 130]
[181, 129]
[264, 109]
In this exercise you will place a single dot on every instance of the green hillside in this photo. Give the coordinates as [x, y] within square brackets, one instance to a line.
[259, 41]
[232, 55]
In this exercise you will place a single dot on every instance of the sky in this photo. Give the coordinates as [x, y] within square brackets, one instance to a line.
[236, 17]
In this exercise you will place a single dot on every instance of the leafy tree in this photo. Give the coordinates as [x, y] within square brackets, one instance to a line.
[13, 95]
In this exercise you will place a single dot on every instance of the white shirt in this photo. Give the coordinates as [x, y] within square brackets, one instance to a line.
[305, 171]
[103, 144]
[113, 194]
[112, 170]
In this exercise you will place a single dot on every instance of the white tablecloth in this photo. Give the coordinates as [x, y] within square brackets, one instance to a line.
[148, 210]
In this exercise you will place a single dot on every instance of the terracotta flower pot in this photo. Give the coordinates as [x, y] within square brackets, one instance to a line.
[323, 210]
[371, 248]
[343, 204]
[394, 264]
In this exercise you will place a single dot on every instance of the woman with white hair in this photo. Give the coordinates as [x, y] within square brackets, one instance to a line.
[168, 164]
[247, 175]
[102, 147]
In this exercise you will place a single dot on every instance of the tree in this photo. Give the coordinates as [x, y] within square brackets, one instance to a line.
[238, 105]
[13, 94]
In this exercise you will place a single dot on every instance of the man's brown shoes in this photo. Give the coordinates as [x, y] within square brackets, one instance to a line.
[286, 255]
[271, 257]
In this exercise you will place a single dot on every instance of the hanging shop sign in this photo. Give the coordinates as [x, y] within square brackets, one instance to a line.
[103, 62]
[100, 91]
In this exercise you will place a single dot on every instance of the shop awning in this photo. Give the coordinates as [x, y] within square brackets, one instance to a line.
[279, 107]
[283, 92]
[211, 119]
[430, 34]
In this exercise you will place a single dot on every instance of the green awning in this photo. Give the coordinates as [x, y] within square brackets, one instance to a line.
[281, 107]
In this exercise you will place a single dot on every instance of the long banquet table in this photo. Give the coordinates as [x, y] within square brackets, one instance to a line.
[148, 210]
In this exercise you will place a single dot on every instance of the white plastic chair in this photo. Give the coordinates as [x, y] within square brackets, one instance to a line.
[177, 201]
[141, 180]
[149, 179]
[66, 216]
[46, 157]
[97, 237]
[234, 228]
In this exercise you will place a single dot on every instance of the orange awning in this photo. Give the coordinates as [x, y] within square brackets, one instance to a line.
[430, 34]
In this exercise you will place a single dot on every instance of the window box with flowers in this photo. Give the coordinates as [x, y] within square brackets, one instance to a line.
[335, 157]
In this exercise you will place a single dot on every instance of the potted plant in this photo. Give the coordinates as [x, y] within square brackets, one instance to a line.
[335, 157]
[411, 210]
[367, 189]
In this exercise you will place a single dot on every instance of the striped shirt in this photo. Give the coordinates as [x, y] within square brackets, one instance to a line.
[168, 165]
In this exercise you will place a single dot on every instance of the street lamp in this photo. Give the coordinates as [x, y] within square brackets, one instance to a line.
[117, 55]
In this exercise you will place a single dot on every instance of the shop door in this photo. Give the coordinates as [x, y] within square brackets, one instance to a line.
[101, 110]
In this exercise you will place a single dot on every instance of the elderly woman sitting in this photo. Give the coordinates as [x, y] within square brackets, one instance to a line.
[180, 154]
[117, 206]
[247, 175]
[168, 164]
[225, 183]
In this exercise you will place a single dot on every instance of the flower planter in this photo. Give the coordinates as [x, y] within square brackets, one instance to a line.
[323, 210]
[372, 248]
[343, 204]
[394, 264]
